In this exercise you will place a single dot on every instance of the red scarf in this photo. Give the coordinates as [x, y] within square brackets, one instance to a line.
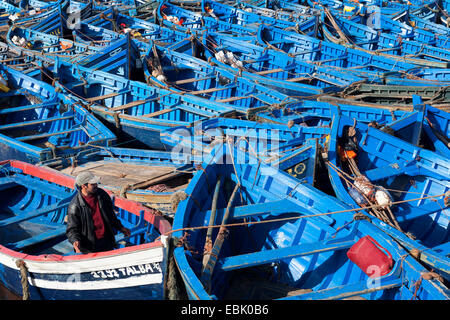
[99, 226]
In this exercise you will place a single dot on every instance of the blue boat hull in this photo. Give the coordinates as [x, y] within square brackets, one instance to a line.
[11, 279]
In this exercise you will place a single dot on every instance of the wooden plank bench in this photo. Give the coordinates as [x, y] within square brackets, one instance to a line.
[28, 107]
[42, 237]
[269, 256]
[39, 185]
[32, 214]
[6, 182]
[348, 290]
[63, 203]
[46, 135]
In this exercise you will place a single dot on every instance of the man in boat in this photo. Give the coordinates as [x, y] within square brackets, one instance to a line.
[90, 218]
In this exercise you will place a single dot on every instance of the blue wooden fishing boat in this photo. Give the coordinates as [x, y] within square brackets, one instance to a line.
[38, 262]
[37, 124]
[272, 68]
[140, 112]
[111, 24]
[185, 74]
[257, 138]
[342, 58]
[418, 124]
[386, 7]
[404, 186]
[384, 44]
[247, 232]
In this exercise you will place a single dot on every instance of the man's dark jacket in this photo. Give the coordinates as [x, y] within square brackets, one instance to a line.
[80, 226]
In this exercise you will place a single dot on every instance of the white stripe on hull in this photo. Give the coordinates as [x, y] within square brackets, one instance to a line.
[114, 261]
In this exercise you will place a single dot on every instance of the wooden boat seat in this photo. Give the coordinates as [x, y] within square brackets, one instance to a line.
[303, 52]
[273, 205]
[342, 57]
[347, 291]
[411, 168]
[34, 122]
[269, 256]
[33, 214]
[38, 212]
[130, 105]
[36, 184]
[210, 90]
[262, 59]
[425, 209]
[275, 42]
[134, 232]
[42, 237]
[7, 182]
[140, 228]
[274, 208]
[366, 42]
[227, 16]
[197, 111]
[158, 113]
[46, 135]
[28, 107]
[192, 23]
[185, 81]
[232, 99]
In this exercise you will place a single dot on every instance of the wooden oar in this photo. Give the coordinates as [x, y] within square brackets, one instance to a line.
[207, 271]
[212, 218]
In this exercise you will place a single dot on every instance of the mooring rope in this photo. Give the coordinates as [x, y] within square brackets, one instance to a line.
[295, 218]
[23, 279]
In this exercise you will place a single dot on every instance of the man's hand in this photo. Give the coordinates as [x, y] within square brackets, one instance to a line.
[126, 231]
[76, 246]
